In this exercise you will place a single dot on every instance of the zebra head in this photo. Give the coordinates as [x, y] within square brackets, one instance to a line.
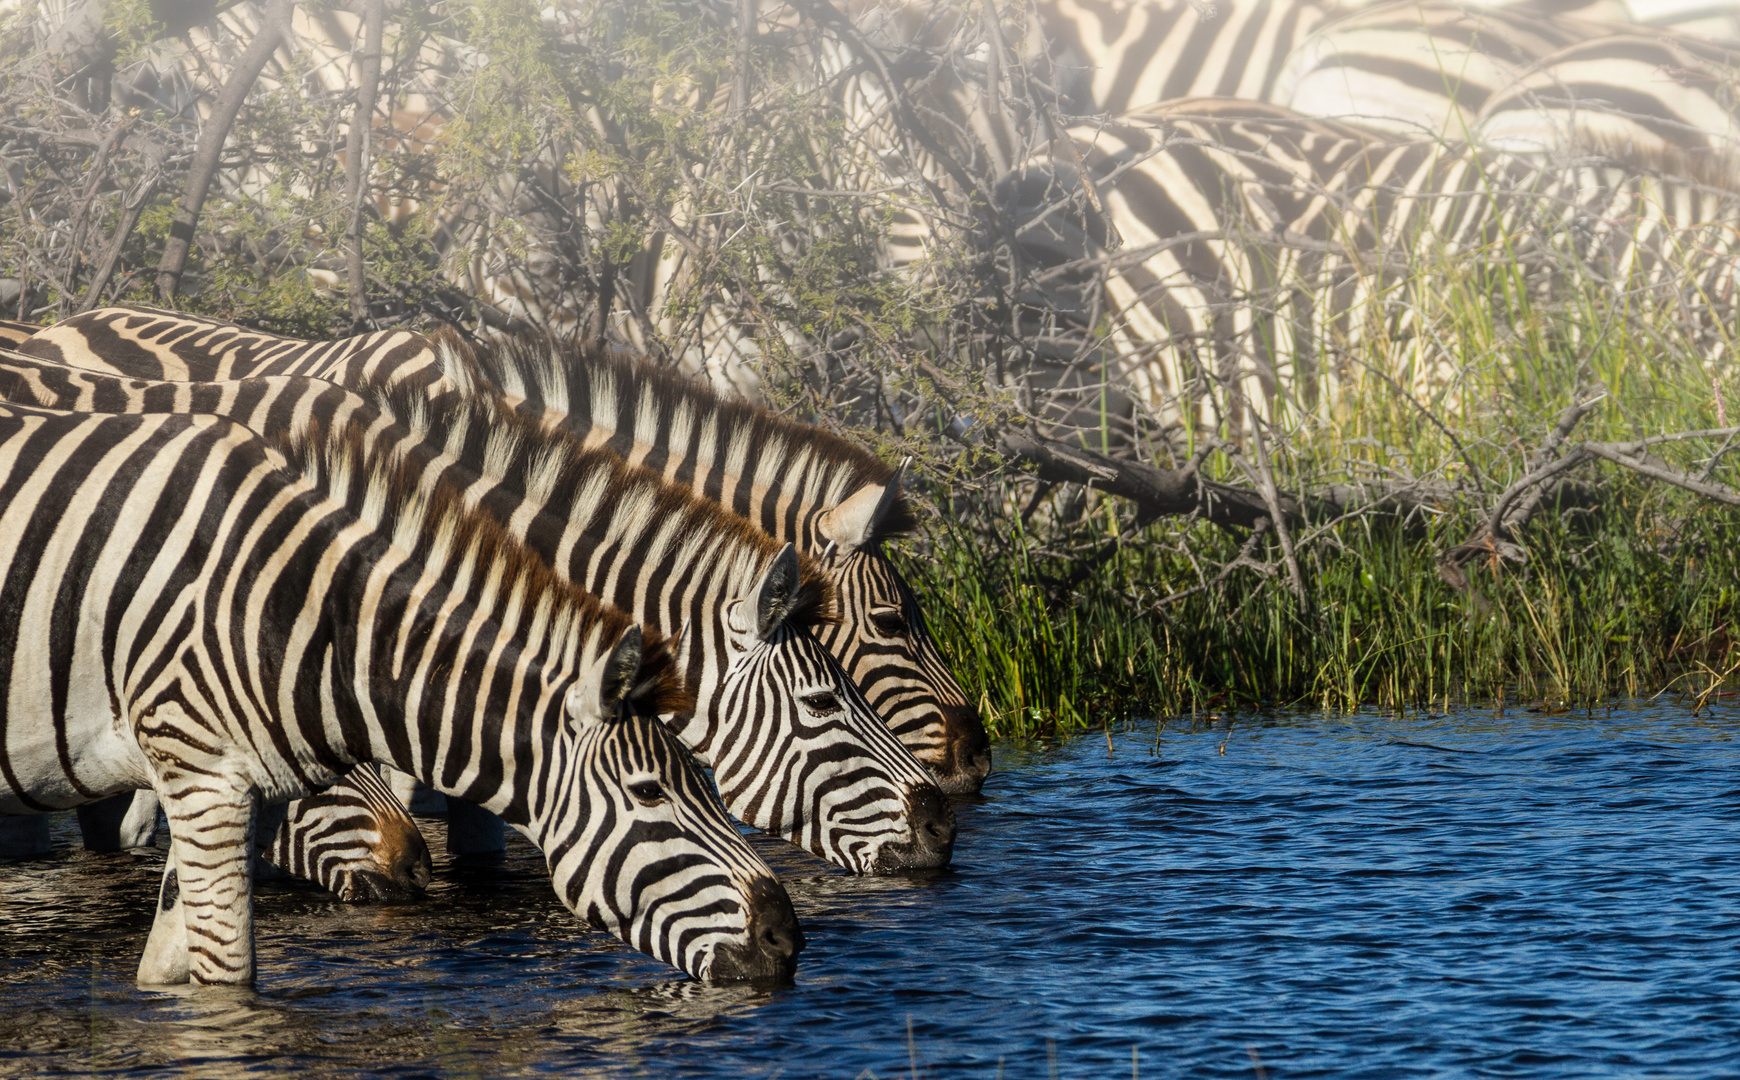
[881, 640]
[822, 769]
[637, 842]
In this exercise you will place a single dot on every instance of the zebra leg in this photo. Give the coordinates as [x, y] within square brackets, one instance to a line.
[211, 804]
[165, 959]
[120, 822]
[211, 823]
[23, 836]
[472, 830]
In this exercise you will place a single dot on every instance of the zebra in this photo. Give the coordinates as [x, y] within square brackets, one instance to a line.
[151, 343]
[1512, 80]
[228, 623]
[1419, 70]
[1112, 56]
[795, 748]
[795, 481]
[1663, 100]
[1261, 245]
[14, 333]
[880, 635]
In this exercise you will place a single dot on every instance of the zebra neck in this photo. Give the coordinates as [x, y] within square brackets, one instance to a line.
[440, 686]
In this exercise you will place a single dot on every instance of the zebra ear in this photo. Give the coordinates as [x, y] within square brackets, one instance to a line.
[601, 690]
[775, 593]
[853, 523]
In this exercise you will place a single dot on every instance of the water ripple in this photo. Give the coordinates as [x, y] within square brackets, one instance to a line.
[1365, 896]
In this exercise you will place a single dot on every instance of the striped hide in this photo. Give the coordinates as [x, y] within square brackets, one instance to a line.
[794, 747]
[1419, 70]
[795, 481]
[1111, 56]
[231, 624]
[150, 343]
[1657, 101]
[1262, 248]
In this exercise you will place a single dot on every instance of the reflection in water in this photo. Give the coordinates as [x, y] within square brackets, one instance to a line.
[1336, 895]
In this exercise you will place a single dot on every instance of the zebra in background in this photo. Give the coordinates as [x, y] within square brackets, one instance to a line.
[248, 624]
[795, 749]
[1666, 101]
[1511, 79]
[1111, 56]
[1419, 70]
[880, 635]
[1262, 247]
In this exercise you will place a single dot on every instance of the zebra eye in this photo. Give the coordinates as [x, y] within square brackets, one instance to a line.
[888, 622]
[822, 703]
[647, 792]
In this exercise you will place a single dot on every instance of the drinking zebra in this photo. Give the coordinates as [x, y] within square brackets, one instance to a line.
[228, 624]
[800, 484]
[794, 747]
[835, 493]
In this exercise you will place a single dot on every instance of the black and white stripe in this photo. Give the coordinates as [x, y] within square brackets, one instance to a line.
[795, 748]
[794, 481]
[1111, 56]
[880, 635]
[227, 624]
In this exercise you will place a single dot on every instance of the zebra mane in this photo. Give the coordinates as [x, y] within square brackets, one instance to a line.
[555, 374]
[373, 479]
[549, 462]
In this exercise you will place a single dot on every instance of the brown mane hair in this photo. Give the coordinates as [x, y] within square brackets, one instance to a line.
[534, 362]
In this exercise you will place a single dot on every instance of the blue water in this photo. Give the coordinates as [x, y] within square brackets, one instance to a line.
[1468, 895]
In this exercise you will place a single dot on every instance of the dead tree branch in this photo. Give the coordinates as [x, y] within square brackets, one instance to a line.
[274, 25]
[356, 158]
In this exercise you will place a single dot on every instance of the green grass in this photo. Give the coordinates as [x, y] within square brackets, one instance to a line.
[1631, 596]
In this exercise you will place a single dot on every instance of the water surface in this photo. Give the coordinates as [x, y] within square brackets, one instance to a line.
[1470, 895]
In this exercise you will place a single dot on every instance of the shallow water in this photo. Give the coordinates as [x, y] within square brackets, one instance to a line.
[1477, 895]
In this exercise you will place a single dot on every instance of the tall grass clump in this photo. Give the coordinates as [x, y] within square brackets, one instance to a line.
[1059, 613]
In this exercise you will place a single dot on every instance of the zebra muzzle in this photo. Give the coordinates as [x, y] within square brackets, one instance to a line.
[772, 940]
[930, 841]
[969, 752]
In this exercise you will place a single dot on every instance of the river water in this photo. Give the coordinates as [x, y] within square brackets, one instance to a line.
[1302, 895]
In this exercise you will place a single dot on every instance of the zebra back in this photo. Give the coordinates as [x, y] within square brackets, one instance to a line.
[1420, 70]
[13, 333]
[148, 343]
[1111, 56]
[1654, 101]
